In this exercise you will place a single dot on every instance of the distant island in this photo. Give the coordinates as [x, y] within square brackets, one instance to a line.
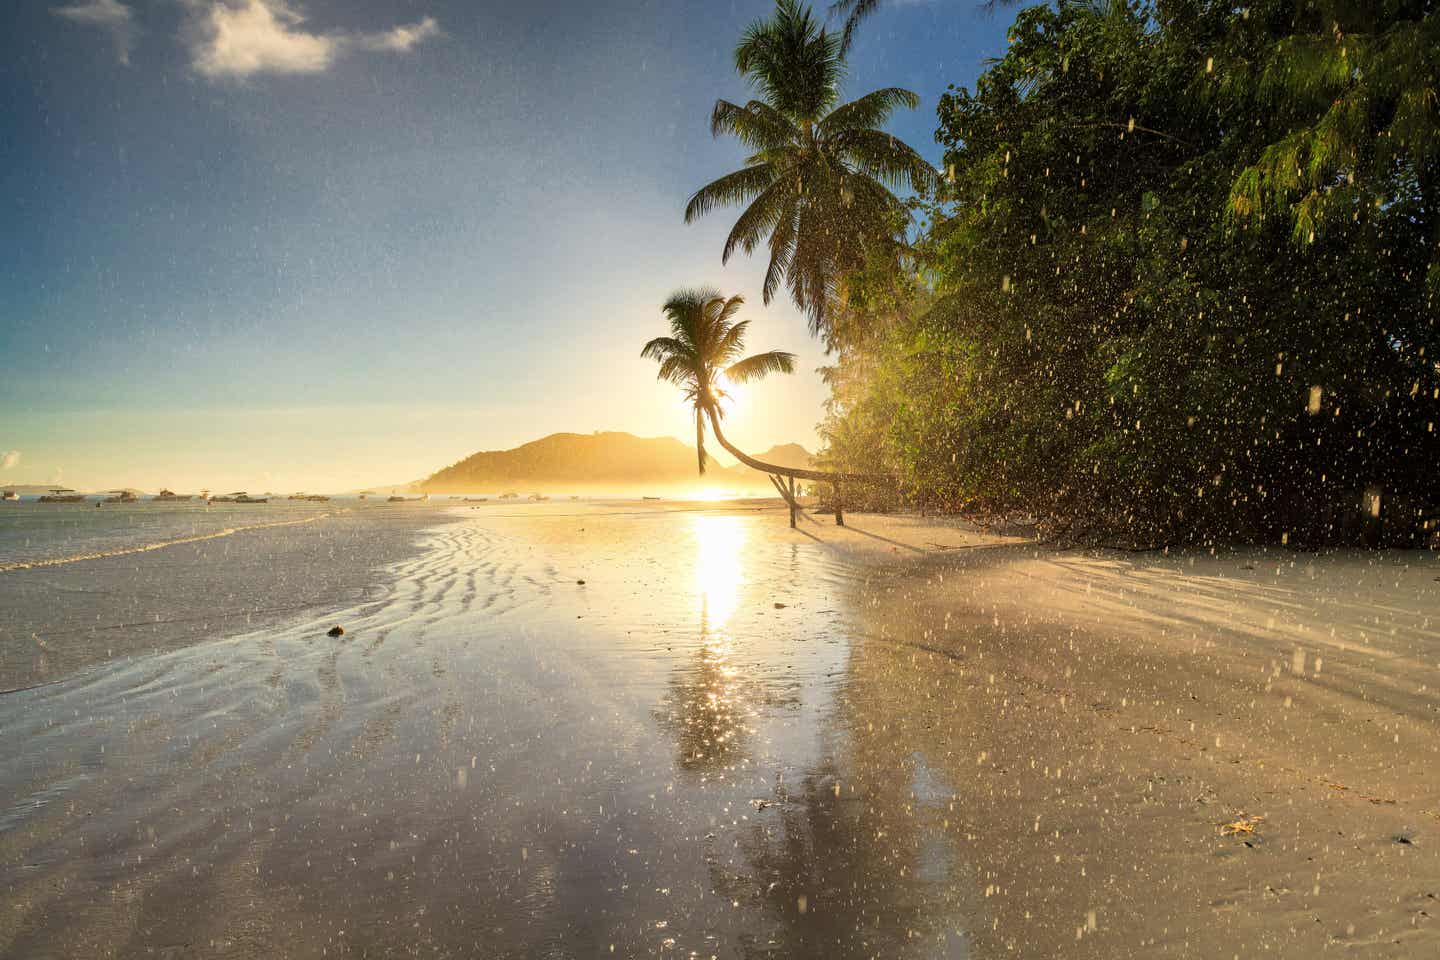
[610, 461]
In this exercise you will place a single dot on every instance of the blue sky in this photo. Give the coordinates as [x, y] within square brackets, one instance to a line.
[330, 243]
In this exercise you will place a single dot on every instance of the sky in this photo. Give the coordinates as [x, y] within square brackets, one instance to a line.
[326, 244]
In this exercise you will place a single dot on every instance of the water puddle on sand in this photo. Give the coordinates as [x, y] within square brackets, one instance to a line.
[553, 736]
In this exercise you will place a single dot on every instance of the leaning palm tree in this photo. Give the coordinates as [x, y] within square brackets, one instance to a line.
[817, 182]
[702, 354]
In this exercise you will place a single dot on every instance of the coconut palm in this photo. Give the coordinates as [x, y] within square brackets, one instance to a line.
[817, 182]
[703, 354]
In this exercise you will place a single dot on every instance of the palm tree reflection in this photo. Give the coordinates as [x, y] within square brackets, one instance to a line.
[708, 706]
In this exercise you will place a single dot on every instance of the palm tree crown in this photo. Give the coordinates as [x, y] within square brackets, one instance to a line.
[703, 353]
[818, 177]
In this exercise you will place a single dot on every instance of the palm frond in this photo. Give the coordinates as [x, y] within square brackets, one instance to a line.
[871, 110]
[760, 365]
[733, 188]
[782, 247]
[854, 12]
[757, 124]
[731, 343]
[888, 158]
[759, 218]
[662, 348]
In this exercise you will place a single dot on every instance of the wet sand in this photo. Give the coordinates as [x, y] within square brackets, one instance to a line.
[902, 738]
[61, 618]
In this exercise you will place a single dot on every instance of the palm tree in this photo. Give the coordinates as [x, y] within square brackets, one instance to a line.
[702, 354]
[817, 182]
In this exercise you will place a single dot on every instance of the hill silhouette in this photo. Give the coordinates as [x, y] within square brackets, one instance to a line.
[613, 460]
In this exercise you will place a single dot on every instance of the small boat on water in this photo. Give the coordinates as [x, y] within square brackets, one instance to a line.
[121, 496]
[170, 496]
[512, 495]
[239, 496]
[538, 498]
[63, 495]
[309, 497]
[11, 496]
[649, 498]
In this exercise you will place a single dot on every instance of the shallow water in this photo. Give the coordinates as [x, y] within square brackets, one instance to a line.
[33, 533]
[496, 759]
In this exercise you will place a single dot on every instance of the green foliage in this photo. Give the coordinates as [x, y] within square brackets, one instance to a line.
[1127, 344]
[816, 187]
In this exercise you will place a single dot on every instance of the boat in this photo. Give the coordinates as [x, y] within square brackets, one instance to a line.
[121, 496]
[649, 498]
[509, 496]
[246, 498]
[11, 496]
[395, 499]
[170, 496]
[63, 495]
[538, 498]
[309, 497]
[366, 494]
[477, 499]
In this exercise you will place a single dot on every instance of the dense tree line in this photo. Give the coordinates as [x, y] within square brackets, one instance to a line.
[1179, 283]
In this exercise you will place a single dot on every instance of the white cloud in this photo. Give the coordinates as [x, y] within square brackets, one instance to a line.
[111, 15]
[240, 38]
[263, 36]
[9, 459]
[402, 39]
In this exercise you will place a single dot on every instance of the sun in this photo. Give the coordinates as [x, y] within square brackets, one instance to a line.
[729, 389]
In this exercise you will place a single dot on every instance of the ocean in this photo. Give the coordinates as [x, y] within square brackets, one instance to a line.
[33, 533]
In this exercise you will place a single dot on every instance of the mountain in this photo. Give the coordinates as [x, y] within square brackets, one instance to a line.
[787, 455]
[613, 461]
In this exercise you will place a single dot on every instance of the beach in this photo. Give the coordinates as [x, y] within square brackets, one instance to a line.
[663, 728]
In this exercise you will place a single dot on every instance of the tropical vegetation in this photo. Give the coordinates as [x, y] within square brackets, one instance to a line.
[1177, 281]
[816, 186]
[703, 355]
[1180, 285]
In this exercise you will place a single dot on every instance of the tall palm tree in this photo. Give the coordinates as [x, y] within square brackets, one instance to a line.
[703, 354]
[817, 181]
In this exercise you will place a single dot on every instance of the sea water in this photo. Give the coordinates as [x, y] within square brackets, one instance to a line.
[33, 533]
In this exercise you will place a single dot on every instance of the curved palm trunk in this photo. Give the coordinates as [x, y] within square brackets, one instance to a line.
[700, 438]
[834, 479]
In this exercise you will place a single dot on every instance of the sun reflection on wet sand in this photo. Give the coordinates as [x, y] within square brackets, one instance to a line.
[719, 575]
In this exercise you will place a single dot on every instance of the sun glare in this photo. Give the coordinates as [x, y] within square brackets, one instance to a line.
[718, 577]
[729, 389]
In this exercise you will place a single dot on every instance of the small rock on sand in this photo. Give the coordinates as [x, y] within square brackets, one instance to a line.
[337, 631]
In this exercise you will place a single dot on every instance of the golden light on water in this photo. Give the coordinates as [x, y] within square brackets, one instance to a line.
[719, 574]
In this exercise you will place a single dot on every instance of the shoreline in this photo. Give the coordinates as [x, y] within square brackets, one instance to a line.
[65, 616]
